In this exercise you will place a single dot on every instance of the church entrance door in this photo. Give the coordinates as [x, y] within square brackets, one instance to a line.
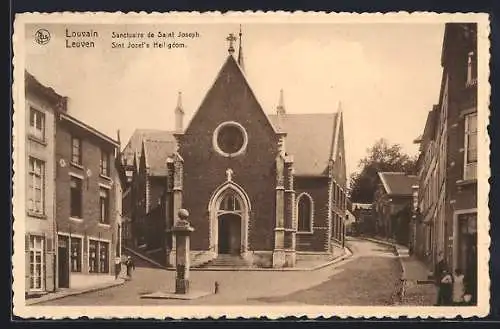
[229, 234]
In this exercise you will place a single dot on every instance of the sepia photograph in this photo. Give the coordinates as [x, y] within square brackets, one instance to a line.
[251, 165]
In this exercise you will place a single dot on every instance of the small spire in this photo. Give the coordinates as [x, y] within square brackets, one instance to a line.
[339, 108]
[280, 109]
[231, 38]
[179, 102]
[240, 52]
[118, 136]
[179, 114]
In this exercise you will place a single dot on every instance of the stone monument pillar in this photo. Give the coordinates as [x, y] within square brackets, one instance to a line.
[182, 231]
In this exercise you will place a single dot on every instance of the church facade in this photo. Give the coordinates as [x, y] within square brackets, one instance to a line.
[263, 188]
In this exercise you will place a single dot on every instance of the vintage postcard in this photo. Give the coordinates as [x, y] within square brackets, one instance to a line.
[192, 165]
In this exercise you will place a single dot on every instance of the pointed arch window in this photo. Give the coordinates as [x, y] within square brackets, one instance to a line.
[305, 209]
[230, 203]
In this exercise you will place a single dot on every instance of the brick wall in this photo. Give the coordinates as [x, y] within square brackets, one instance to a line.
[317, 188]
[230, 99]
[88, 226]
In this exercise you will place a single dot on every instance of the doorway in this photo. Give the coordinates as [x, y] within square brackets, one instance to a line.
[229, 234]
[63, 265]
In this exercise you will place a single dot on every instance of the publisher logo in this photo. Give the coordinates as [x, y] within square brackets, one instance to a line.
[42, 36]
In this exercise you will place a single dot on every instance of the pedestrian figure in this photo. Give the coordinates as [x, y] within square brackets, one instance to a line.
[438, 276]
[118, 266]
[458, 287]
[216, 287]
[446, 288]
[130, 266]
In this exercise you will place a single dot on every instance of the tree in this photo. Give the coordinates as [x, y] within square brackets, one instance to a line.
[380, 157]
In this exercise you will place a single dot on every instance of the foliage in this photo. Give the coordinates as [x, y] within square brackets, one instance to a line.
[380, 157]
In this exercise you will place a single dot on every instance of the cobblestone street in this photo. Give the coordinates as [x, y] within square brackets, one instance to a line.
[369, 277]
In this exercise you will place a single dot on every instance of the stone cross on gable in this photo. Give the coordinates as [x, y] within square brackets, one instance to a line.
[231, 38]
[229, 173]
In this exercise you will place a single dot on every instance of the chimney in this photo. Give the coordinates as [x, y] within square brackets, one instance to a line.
[179, 114]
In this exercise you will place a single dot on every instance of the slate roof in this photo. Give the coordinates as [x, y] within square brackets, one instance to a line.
[309, 140]
[398, 183]
[156, 153]
[134, 144]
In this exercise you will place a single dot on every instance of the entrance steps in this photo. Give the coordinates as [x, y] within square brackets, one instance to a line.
[224, 260]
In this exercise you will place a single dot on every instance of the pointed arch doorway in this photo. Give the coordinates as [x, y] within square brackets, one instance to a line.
[229, 212]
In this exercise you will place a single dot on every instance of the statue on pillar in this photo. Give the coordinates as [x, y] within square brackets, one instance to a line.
[182, 231]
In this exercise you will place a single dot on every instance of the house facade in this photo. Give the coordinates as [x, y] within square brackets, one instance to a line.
[446, 212]
[42, 105]
[258, 187]
[393, 205]
[88, 198]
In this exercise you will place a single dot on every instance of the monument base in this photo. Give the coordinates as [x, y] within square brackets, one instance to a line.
[181, 286]
[171, 295]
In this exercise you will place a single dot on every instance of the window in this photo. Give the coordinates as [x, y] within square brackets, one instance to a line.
[103, 257]
[76, 197]
[76, 254]
[76, 150]
[104, 205]
[98, 256]
[93, 245]
[36, 186]
[104, 163]
[471, 68]
[470, 146]
[305, 213]
[230, 139]
[36, 262]
[37, 124]
[230, 203]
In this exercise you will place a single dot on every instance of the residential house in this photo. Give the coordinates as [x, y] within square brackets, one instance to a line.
[42, 105]
[450, 209]
[88, 197]
[393, 205]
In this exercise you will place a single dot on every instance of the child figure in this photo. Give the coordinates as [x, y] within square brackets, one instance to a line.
[446, 286]
[458, 287]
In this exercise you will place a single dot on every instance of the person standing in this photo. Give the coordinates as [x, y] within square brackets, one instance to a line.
[438, 276]
[458, 287]
[118, 266]
[446, 288]
[130, 266]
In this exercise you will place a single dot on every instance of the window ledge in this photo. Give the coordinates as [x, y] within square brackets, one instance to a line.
[104, 225]
[463, 182]
[305, 232]
[106, 177]
[76, 165]
[37, 215]
[76, 219]
[37, 140]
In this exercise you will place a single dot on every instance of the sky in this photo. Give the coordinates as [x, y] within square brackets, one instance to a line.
[386, 75]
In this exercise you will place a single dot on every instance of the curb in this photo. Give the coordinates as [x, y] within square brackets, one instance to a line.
[49, 297]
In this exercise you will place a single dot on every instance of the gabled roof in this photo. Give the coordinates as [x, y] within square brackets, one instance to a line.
[156, 153]
[309, 140]
[134, 144]
[230, 62]
[398, 183]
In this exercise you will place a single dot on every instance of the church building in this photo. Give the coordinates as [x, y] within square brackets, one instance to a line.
[263, 188]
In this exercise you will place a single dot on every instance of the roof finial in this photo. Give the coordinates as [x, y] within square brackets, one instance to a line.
[231, 38]
[240, 52]
[118, 136]
[280, 109]
[339, 109]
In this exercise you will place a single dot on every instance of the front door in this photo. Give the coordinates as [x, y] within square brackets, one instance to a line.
[63, 256]
[229, 234]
